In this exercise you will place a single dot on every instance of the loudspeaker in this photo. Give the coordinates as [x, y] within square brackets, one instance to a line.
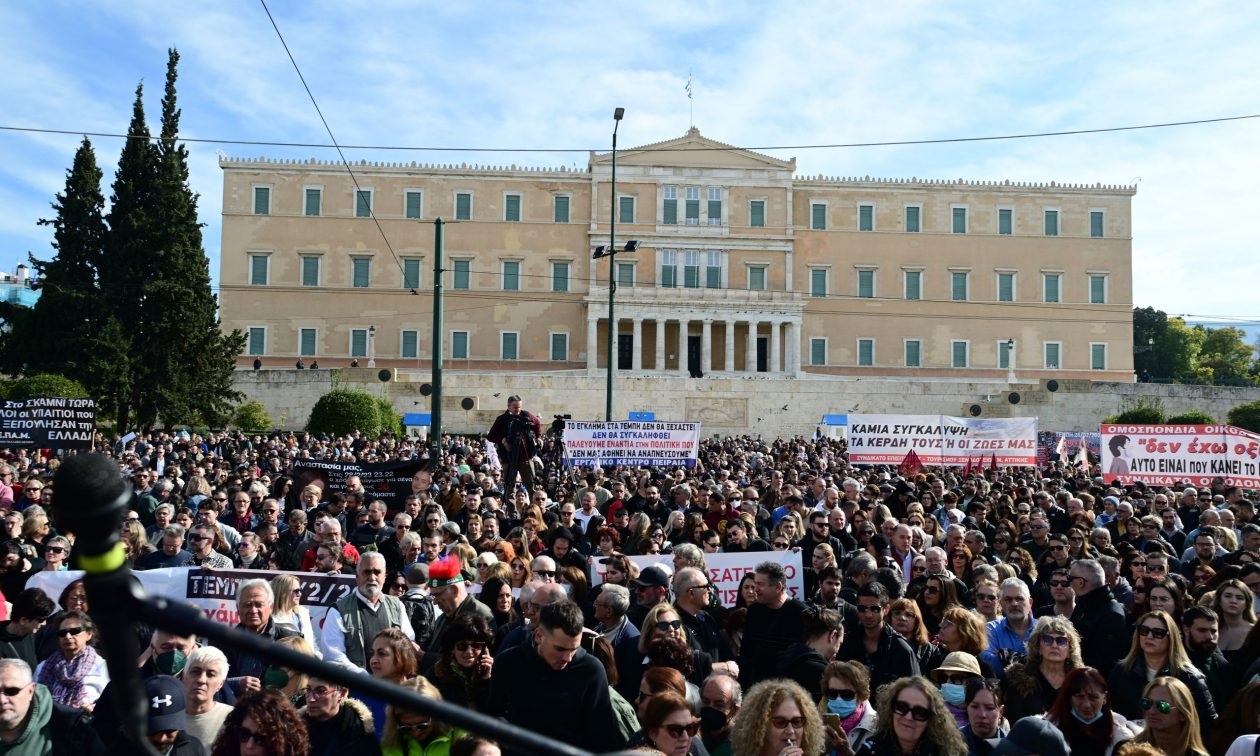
[426, 389]
[1013, 397]
[467, 403]
[1052, 385]
[384, 375]
[975, 410]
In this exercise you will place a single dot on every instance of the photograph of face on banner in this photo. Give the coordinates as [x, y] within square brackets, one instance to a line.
[726, 570]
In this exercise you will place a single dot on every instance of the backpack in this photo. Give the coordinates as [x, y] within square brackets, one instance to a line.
[422, 615]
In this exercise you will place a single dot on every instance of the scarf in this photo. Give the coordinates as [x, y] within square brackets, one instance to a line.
[64, 677]
[848, 723]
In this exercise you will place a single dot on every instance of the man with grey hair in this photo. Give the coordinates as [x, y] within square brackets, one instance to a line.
[720, 699]
[254, 601]
[161, 518]
[543, 594]
[31, 722]
[1099, 619]
[355, 620]
[171, 552]
[1008, 635]
[611, 606]
[1120, 588]
[543, 568]
[204, 674]
[692, 591]
[860, 571]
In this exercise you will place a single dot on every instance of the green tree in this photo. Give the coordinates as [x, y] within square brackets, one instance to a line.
[1149, 326]
[390, 419]
[1225, 357]
[343, 411]
[1177, 353]
[251, 416]
[1144, 410]
[1193, 417]
[47, 384]
[1246, 416]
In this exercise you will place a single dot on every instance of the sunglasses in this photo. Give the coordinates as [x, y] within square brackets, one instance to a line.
[665, 627]
[782, 723]
[13, 691]
[1060, 583]
[780, 544]
[464, 647]
[1158, 633]
[1163, 707]
[959, 679]
[931, 589]
[545, 573]
[56, 550]
[68, 631]
[918, 713]
[1056, 546]
[869, 609]
[1062, 641]
[841, 694]
[677, 730]
[1138, 564]
[986, 597]
[246, 735]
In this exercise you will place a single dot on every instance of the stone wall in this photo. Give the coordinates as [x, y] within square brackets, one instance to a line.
[770, 406]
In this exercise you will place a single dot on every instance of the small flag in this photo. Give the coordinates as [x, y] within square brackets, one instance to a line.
[1061, 447]
[911, 464]
[993, 463]
[967, 469]
[688, 87]
[1082, 455]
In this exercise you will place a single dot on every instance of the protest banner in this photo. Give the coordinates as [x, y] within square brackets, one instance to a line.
[1165, 454]
[48, 422]
[726, 570]
[1066, 444]
[391, 482]
[631, 443]
[214, 591]
[942, 440]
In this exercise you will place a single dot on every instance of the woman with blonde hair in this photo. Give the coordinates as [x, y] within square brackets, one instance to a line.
[1172, 719]
[408, 732]
[1233, 604]
[912, 719]
[1054, 650]
[777, 718]
[964, 630]
[1157, 651]
[287, 610]
[905, 618]
[134, 538]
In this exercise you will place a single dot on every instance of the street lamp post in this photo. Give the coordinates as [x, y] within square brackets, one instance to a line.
[1010, 360]
[371, 346]
[612, 269]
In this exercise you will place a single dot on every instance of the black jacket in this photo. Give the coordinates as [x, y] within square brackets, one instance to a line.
[1100, 621]
[349, 733]
[17, 646]
[805, 666]
[1028, 692]
[892, 659]
[1126, 685]
[767, 634]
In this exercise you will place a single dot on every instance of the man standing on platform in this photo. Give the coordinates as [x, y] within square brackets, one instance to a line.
[516, 434]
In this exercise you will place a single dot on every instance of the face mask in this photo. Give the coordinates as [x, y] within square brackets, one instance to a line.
[954, 694]
[170, 662]
[711, 720]
[1083, 720]
[842, 707]
[275, 677]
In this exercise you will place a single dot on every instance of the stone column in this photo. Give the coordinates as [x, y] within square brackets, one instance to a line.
[592, 344]
[706, 346]
[775, 364]
[636, 363]
[683, 326]
[660, 346]
[730, 347]
[794, 348]
[750, 348]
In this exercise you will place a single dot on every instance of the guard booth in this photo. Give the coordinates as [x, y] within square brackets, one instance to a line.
[834, 426]
[417, 424]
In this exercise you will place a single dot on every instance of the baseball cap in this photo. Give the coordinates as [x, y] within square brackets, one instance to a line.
[653, 576]
[165, 695]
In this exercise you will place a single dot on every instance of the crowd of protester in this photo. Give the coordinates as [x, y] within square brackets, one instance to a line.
[1009, 611]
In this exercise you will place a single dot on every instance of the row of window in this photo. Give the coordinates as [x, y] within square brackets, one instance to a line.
[361, 272]
[408, 344]
[960, 354]
[694, 212]
[960, 289]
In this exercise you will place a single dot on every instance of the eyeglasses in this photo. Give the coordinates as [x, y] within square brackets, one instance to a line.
[56, 550]
[705, 587]
[918, 713]
[782, 723]
[1060, 583]
[1056, 546]
[958, 679]
[677, 730]
[413, 729]
[986, 597]
[931, 589]
[1138, 564]
[320, 691]
[246, 735]
[1164, 707]
[1062, 641]
[780, 544]
[66, 632]
[464, 647]
[545, 573]
[841, 694]
[665, 627]
[867, 609]
[1158, 633]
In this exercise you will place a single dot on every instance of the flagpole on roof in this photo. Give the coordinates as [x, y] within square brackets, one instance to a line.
[691, 103]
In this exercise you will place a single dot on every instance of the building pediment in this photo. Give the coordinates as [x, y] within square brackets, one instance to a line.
[693, 151]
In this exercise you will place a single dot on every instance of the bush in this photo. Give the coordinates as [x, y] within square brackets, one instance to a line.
[1246, 416]
[342, 411]
[251, 416]
[47, 384]
[390, 419]
[1143, 411]
[1193, 417]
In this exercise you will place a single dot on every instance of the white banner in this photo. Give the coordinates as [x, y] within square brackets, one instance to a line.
[726, 570]
[942, 440]
[630, 443]
[1162, 455]
[214, 591]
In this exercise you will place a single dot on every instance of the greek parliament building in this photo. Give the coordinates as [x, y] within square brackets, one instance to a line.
[743, 267]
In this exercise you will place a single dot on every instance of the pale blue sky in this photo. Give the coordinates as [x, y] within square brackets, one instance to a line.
[519, 75]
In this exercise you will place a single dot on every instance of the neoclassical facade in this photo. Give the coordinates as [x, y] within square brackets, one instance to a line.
[743, 267]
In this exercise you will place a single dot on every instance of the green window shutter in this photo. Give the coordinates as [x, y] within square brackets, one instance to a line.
[257, 341]
[818, 283]
[306, 342]
[914, 284]
[1098, 356]
[625, 209]
[512, 207]
[958, 287]
[625, 274]
[358, 342]
[459, 345]
[1052, 356]
[509, 346]
[959, 349]
[562, 209]
[314, 199]
[866, 352]
[669, 276]
[559, 276]
[1006, 287]
[1005, 222]
[463, 206]
[362, 273]
[912, 219]
[818, 217]
[258, 270]
[363, 204]
[462, 274]
[757, 214]
[559, 347]
[693, 212]
[959, 215]
[712, 277]
[1052, 288]
[866, 218]
[715, 212]
[757, 279]
[414, 204]
[866, 284]
[1098, 290]
[1052, 223]
[1004, 355]
[262, 200]
[691, 276]
[511, 276]
[912, 353]
[669, 215]
[1096, 224]
[410, 345]
[411, 273]
[310, 271]
[818, 351]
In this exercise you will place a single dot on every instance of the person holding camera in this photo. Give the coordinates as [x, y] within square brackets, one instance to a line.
[516, 434]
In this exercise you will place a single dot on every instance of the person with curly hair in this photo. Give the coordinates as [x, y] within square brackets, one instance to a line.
[1054, 650]
[263, 723]
[777, 718]
[912, 719]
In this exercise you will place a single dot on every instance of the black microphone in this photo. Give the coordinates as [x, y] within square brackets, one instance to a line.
[92, 498]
